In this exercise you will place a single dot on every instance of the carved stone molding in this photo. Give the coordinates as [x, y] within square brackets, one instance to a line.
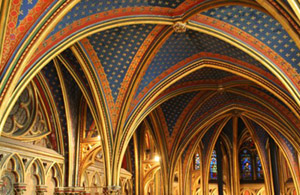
[19, 188]
[179, 27]
[112, 190]
[69, 191]
[41, 190]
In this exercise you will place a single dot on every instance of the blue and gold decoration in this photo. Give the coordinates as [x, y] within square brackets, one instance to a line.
[87, 8]
[50, 74]
[205, 74]
[174, 107]
[26, 6]
[116, 49]
[181, 46]
[74, 96]
[261, 26]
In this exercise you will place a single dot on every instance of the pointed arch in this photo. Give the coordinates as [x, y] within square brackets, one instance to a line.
[281, 146]
[57, 173]
[18, 167]
[266, 168]
[39, 170]
[193, 66]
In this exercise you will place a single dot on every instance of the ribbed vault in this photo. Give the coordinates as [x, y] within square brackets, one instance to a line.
[190, 72]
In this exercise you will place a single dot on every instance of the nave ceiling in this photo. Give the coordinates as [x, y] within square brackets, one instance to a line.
[190, 68]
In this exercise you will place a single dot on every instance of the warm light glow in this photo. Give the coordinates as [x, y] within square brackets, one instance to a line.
[99, 137]
[156, 158]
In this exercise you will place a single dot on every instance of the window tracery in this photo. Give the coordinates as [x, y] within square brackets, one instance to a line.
[197, 161]
[27, 120]
[259, 170]
[250, 163]
[246, 165]
[213, 173]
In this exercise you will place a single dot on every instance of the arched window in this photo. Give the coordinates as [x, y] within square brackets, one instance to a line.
[259, 170]
[246, 164]
[250, 163]
[213, 166]
[197, 161]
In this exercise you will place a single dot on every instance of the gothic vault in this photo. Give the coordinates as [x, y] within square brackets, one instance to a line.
[150, 97]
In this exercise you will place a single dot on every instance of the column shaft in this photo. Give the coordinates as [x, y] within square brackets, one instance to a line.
[219, 167]
[274, 163]
[235, 160]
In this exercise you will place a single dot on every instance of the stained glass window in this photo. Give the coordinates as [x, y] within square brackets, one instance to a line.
[246, 165]
[259, 170]
[213, 166]
[197, 162]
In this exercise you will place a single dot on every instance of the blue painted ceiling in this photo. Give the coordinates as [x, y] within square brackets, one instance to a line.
[26, 6]
[116, 49]
[174, 107]
[73, 62]
[205, 74]
[216, 101]
[89, 7]
[261, 26]
[68, 54]
[269, 94]
[51, 76]
[74, 96]
[180, 46]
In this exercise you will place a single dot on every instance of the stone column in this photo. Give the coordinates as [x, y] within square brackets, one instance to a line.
[19, 188]
[274, 163]
[41, 190]
[219, 167]
[112, 190]
[235, 155]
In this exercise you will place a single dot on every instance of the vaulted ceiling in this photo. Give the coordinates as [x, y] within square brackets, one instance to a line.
[190, 66]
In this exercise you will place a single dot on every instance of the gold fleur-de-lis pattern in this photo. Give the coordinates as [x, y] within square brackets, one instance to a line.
[261, 26]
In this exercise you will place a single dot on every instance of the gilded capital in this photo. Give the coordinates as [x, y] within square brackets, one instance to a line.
[115, 190]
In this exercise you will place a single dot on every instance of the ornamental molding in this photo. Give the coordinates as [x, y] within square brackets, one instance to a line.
[179, 27]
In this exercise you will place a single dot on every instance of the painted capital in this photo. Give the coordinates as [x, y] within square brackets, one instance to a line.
[19, 188]
[41, 189]
[112, 190]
